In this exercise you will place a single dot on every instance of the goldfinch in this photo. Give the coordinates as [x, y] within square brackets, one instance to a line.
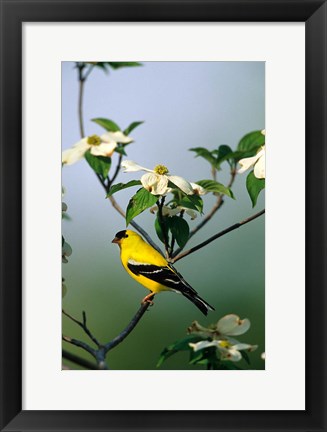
[144, 264]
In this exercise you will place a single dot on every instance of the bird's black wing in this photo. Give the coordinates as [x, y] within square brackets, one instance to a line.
[164, 275]
[169, 277]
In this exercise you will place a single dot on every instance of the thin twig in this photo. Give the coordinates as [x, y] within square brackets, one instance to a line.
[87, 73]
[118, 339]
[80, 67]
[83, 326]
[220, 234]
[80, 344]
[78, 360]
[101, 352]
[115, 173]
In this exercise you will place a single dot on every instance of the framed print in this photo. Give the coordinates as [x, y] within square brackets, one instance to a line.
[243, 347]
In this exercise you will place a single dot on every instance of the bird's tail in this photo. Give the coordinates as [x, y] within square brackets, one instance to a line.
[199, 302]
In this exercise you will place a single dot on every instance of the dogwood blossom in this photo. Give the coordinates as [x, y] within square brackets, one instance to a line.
[103, 145]
[220, 337]
[168, 211]
[258, 161]
[157, 180]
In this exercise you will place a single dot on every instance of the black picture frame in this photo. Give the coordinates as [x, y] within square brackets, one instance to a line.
[13, 14]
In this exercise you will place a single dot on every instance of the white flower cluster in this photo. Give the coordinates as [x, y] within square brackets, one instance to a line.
[103, 145]
[258, 162]
[157, 180]
[221, 337]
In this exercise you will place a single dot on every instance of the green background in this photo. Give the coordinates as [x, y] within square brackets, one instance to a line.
[184, 105]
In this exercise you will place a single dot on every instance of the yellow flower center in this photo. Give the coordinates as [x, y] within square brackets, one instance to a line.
[160, 169]
[94, 140]
[224, 344]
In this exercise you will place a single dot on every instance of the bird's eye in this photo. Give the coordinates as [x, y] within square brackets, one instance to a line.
[126, 235]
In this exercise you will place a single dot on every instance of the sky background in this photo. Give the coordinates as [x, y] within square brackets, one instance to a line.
[184, 105]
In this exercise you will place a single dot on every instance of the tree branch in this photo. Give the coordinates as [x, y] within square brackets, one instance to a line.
[101, 352]
[83, 326]
[118, 339]
[115, 173]
[80, 344]
[78, 360]
[220, 234]
[81, 79]
[106, 187]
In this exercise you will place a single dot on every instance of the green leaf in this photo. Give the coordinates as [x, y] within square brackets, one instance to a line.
[215, 187]
[193, 202]
[159, 229]
[138, 203]
[120, 186]
[198, 357]
[206, 154]
[251, 141]
[100, 65]
[100, 164]
[180, 345]
[224, 153]
[118, 65]
[120, 150]
[107, 124]
[132, 126]
[179, 229]
[254, 187]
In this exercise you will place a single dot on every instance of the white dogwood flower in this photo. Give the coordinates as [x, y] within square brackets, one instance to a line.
[258, 161]
[228, 350]
[156, 181]
[220, 337]
[168, 211]
[103, 145]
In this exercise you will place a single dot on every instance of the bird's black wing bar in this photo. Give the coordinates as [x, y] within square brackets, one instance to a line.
[160, 274]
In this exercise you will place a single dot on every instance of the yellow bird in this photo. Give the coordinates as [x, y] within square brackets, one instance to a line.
[144, 264]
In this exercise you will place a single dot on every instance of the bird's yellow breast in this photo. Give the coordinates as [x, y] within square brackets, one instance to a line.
[143, 253]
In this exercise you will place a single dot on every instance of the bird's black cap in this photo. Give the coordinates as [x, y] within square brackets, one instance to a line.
[121, 234]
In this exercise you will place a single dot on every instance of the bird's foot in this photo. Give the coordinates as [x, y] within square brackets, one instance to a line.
[148, 299]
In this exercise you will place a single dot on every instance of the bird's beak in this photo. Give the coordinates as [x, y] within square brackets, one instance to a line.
[115, 240]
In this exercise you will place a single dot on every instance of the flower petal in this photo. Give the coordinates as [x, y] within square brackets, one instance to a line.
[232, 325]
[104, 149]
[230, 354]
[259, 167]
[117, 137]
[167, 211]
[203, 344]
[155, 183]
[74, 154]
[130, 166]
[182, 184]
[191, 213]
[247, 163]
[198, 190]
[242, 346]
